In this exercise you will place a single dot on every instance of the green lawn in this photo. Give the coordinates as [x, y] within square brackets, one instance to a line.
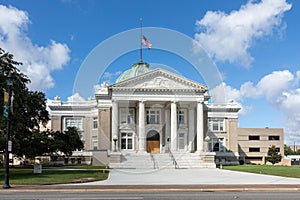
[54, 176]
[286, 171]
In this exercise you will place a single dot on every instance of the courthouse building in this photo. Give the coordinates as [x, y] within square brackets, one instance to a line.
[150, 116]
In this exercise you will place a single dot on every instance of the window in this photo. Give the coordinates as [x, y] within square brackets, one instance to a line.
[181, 141]
[180, 117]
[217, 145]
[126, 141]
[153, 116]
[274, 137]
[254, 149]
[95, 122]
[74, 122]
[216, 125]
[94, 142]
[127, 116]
[254, 137]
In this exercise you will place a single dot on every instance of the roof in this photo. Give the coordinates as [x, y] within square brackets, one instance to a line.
[136, 70]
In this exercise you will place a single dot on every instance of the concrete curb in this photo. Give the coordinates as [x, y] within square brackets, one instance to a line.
[155, 188]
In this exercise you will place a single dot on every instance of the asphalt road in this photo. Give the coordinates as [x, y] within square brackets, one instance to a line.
[158, 195]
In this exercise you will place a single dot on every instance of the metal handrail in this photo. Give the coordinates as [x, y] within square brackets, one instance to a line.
[173, 159]
[155, 164]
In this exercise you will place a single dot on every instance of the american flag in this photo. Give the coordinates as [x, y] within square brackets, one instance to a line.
[146, 42]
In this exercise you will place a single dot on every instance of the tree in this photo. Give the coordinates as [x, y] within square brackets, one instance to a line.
[273, 155]
[66, 142]
[29, 112]
[288, 150]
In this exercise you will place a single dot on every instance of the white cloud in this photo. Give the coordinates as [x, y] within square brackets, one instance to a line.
[224, 93]
[273, 84]
[110, 77]
[75, 98]
[298, 76]
[38, 61]
[247, 90]
[280, 88]
[228, 37]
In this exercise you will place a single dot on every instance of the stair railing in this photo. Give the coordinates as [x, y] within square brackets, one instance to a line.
[173, 158]
[155, 164]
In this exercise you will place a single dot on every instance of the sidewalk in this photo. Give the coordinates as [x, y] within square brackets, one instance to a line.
[204, 176]
[173, 180]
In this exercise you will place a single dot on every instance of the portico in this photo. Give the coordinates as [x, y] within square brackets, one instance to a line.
[174, 122]
[158, 111]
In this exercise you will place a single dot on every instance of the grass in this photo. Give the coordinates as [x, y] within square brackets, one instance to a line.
[285, 171]
[54, 175]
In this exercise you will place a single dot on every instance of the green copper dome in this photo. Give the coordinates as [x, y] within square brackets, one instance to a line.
[136, 70]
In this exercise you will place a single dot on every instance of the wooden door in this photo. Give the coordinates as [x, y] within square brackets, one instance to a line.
[153, 146]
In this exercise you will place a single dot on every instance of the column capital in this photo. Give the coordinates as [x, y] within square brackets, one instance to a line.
[200, 101]
[114, 101]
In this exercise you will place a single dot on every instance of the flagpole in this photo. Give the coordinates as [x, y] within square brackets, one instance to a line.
[141, 47]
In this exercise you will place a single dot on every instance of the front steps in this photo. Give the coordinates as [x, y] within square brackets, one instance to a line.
[160, 161]
[133, 161]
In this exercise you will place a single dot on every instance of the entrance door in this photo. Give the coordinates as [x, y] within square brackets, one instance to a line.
[153, 144]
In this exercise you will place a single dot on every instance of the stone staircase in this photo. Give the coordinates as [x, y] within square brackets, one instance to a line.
[160, 161]
[134, 161]
[163, 161]
[191, 160]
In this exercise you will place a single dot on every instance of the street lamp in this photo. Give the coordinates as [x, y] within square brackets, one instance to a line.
[9, 81]
[115, 139]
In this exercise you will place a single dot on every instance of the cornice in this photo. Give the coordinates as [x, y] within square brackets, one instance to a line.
[164, 73]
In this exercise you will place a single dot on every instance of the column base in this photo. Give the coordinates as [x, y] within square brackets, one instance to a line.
[199, 152]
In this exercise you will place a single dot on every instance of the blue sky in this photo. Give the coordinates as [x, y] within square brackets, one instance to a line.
[254, 44]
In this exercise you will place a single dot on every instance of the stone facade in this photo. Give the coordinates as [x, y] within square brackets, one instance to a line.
[156, 111]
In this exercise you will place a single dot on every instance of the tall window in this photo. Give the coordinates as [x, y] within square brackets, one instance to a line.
[181, 141]
[216, 125]
[127, 116]
[95, 122]
[153, 116]
[181, 117]
[126, 141]
[74, 122]
[217, 144]
[94, 142]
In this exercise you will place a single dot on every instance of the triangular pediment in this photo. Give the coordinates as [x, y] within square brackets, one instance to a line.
[160, 79]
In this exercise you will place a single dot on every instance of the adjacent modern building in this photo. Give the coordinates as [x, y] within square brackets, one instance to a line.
[157, 114]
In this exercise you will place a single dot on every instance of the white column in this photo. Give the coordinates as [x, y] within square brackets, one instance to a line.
[191, 129]
[173, 127]
[167, 135]
[200, 129]
[142, 134]
[115, 125]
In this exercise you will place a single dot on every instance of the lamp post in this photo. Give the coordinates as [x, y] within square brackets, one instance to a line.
[115, 139]
[9, 81]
